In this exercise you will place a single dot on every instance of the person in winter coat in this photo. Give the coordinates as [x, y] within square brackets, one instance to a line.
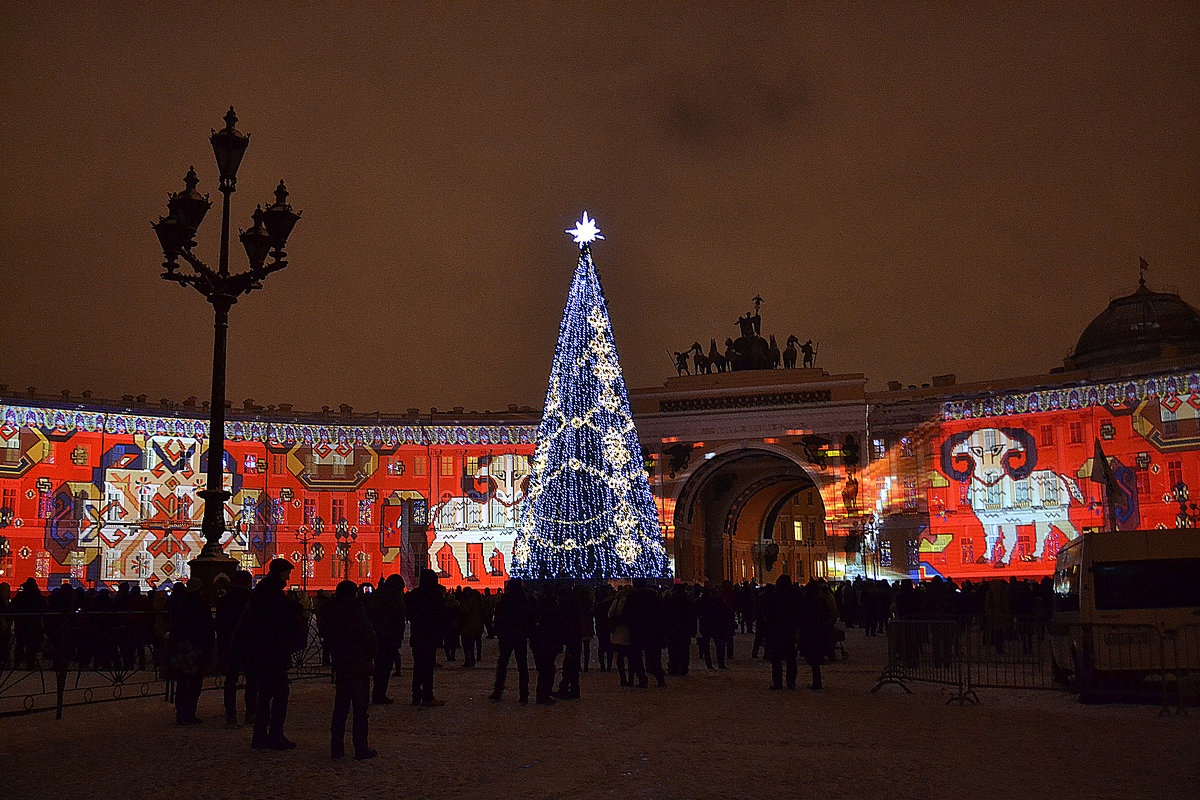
[644, 615]
[347, 631]
[680, 625]
[386, 610]
[779, 622]
[191, 627]
[815, 636]
[513, 623]
[272, 628]
[546, 643]
[427, 615]
[472, 612]
[230, 607]
[710, 623]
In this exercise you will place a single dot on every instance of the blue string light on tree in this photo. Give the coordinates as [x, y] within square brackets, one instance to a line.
[588, 513]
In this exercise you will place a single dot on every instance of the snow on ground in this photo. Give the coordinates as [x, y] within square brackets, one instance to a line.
[718, 734]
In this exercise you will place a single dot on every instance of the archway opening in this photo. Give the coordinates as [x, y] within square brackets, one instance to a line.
[749, 514]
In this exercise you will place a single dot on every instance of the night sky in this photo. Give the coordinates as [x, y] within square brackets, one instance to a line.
[919, 189]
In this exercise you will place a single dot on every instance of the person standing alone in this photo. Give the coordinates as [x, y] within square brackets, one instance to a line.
[352, 646]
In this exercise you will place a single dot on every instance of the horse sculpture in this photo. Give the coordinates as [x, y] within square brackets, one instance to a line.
[703, 367]
[791, 353]
[715, 358]
[773, 353]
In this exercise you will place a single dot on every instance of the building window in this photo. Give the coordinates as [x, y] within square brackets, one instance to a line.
[1174, 474]
[364, 512]
[1076, 433]
[1143, 483]
[310, 510]
[10, 503]
[446, 561]
[364, 565]
[146, 502]
[471, 467]
[277, 460]
[1024, 548]
[878, 449]
[184, 498]
[419, 465]
[113, 508]
[906, 448]
[968, 550]
[798, 530]
[447, 466]
[1047, 436]
[337, 568]
[395, 466]
[339, 510]
[251, 462]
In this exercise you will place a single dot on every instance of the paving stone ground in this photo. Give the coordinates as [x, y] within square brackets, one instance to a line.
[718, 734]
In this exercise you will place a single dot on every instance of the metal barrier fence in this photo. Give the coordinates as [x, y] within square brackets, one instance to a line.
[54, 660]
[1133, 663]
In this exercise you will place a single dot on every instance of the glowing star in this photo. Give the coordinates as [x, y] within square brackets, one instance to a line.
[585, 230]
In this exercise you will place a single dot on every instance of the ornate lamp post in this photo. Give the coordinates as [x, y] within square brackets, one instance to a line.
[266, 237]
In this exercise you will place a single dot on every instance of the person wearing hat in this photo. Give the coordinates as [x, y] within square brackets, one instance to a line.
[273, 628]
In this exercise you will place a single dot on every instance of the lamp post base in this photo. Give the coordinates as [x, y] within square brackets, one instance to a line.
[206, 567]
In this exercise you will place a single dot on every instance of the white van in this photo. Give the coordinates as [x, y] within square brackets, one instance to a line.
[1127, 610]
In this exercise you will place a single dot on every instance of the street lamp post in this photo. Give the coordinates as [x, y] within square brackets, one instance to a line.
[266, 237]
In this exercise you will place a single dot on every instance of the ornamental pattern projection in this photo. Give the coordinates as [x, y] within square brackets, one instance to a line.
[1001, 482]
[94, 495]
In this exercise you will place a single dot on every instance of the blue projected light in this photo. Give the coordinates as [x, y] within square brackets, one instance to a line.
[589, 513]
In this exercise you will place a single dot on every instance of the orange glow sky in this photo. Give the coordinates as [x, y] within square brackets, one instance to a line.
[920, 190]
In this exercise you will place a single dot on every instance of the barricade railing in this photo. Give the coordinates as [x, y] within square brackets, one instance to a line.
[1136, 663]
[965, 654]
[57, 659]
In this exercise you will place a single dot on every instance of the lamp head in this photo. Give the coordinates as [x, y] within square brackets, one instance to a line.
[229, 145]
[279, 219]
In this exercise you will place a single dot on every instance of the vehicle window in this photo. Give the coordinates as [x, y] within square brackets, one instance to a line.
[1164, 583]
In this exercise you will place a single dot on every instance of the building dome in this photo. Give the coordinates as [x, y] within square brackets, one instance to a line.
[1142, 326]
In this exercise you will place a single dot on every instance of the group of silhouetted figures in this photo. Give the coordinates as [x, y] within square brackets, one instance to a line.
[254, 631]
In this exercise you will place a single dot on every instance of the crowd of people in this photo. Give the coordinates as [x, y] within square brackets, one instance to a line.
[252, 632]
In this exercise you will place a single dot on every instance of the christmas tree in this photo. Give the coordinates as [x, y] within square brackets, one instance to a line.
[588, 512]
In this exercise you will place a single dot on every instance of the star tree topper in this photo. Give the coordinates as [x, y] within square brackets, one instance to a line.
[585, 231]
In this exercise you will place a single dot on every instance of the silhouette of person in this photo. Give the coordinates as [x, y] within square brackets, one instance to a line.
[546, 642]
[230, 608]
[681, 629]
[513, 623]
[781, 618]
[352, 644]
[386, 610]
[191, 626]
[274, 627]
[427, 615]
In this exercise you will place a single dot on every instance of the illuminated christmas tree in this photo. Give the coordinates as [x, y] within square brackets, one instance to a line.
[588, 513]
